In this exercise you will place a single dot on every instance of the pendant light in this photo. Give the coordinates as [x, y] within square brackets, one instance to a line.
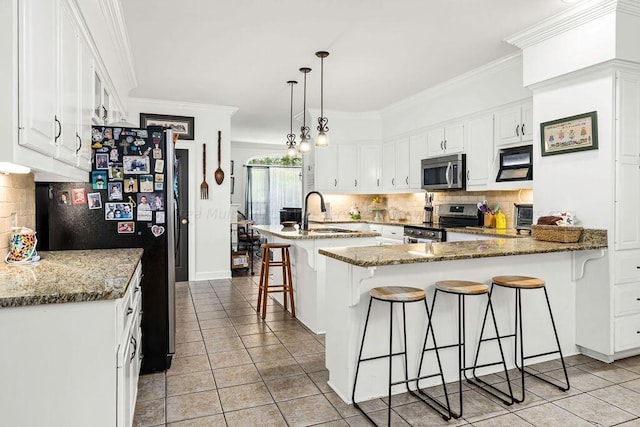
[322, 140]
[304, 129]
[291, 137]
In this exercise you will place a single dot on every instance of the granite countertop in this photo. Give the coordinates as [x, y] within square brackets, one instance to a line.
[371, 256]
[68, 276]
[276, 230]
[365, 221]
[509, 233]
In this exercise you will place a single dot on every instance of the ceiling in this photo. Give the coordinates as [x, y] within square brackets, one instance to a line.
[242, 52]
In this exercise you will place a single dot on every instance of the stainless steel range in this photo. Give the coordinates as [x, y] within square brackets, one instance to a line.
[450, 215]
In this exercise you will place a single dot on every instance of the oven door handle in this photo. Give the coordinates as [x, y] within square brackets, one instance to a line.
[446, 174]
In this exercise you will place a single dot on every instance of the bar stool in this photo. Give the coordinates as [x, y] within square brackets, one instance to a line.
[518, 283]
[401, 295]
[285, 287]
[462, 289]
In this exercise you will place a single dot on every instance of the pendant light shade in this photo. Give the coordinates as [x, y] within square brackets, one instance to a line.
[322, 140]
[304, 147]
[291, 137]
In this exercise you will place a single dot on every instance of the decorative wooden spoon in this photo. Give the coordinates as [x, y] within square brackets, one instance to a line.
[219, 174]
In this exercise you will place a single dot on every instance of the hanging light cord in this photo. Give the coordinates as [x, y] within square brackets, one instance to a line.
[322, 120]
[291, 137]
[304, 129]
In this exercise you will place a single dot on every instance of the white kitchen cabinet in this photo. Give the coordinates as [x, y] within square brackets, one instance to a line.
[101, 101]
[417, 152]
[514, 125]
[395, 164]
[337, 168]
[86, 106]
[369, 167]
[392, 234]
[445, 140]
[479, 149]
[37, 50]
[327, 168]
[347, 167]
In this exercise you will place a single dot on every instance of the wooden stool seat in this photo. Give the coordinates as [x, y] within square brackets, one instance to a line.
[523, 282]
[462, 287]
[397, 293]
[286, 287]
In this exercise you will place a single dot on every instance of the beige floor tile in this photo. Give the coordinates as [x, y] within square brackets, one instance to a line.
[209, 320]
[287, 388]
[419, 414]
[252, 328]
[191, 336]
[193, 405]
[312, 362]
[187, 326]
[337, 423]
[594, 410]
[405, 398]
[632, 423]
[300, 348]
[244, 396]
[224, 344]
[577, 359]
[509, 420]
[190, 383]
[267, 416]
[246, 320]
[621, 397]
[308, 410]
[349, 410]
[476, 407]
[320, 379]
[190, 349]
[149, 413]
[279, 368]
[259, 340]
[609, 372]
[380, 417]
[550, 415]
[185, 365]
[210, 421]
[217, 333]
[240, 312]
[224, 359]
[291, 335]
[284, 324]
[630, 363]
[151, 386]
[579, 379]
[204, 308]
[236, 375]
[269, 352]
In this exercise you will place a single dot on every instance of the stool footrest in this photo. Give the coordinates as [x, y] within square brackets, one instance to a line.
[540, 354]
[561, 387]
[382, 356]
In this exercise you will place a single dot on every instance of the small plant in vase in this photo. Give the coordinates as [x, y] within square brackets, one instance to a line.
[354, 213]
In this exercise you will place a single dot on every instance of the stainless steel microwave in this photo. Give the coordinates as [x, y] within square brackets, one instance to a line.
[444, 173]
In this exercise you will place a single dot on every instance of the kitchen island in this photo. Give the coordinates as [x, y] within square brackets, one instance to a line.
[308, 269]
[353, 271]
[70, 330]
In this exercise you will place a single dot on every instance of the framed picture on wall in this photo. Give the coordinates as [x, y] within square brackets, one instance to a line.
[570, 134]
[182, 125]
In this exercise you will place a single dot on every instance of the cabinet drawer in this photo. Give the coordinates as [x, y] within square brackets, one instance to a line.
[627, 266]
[376, 228]
[627, 299]
[627, 333]
[393, 232]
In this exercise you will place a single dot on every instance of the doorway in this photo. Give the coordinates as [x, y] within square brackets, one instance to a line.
[180, 188]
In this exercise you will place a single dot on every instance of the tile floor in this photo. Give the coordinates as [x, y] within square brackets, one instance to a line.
[233, 369]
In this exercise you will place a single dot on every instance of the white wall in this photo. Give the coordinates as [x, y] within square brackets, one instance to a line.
[240, 153]
[209, 244]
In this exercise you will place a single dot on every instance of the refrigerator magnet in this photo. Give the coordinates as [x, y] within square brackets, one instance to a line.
[126, 227]
[115, 190]
[99, 180]
[160, 217]
[116, 133]
[142, 133]
[135, 165]
[144, 215]
[131, 184]
[96, 135]
[108, 133]
[158, 186]
[157, 230]
[157, 152]
[159, 177]
[116, 172]
[146, 183]
[109, 143]
[102, 161]
[95, 200]
[78, 196]
[114, 156]
[63, 198]
[159, 166]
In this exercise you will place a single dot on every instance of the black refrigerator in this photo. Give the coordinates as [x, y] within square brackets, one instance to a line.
[128, 202]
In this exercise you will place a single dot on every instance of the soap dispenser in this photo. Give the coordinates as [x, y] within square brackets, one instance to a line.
[501, 220]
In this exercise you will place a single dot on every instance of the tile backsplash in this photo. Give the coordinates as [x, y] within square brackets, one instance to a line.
[17, 195]
[410, 206]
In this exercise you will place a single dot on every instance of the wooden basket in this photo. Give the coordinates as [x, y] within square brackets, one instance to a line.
[555, 233]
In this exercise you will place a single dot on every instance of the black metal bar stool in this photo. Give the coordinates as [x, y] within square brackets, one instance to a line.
[285, 287]
[461, 289]
[401, 295]
[519, 283]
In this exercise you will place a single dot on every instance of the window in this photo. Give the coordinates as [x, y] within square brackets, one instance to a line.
[272, 184]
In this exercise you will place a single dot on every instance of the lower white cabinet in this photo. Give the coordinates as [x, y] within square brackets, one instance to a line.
[72, 364]
[453, 236]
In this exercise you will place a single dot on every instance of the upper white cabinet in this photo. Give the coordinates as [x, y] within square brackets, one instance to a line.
[39, 125]
[101, 101]
[627, 198]
[326, 167]
[347, 167]
[395, 164]
[514, 125]
[417, 152]
[445, 140]
[479, 148]
[369, 167]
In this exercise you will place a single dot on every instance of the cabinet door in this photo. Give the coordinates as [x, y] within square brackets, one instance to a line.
[402, 163]
[347, 167]
[389, 166]
[479, 149]
[435, 142]
[68, 87]
[526, 129]
[508, 126]
[417, 152]
[627, 205]
[369, 162]
[86, 107]
[454, 138]
[37, 75]
[326, 167]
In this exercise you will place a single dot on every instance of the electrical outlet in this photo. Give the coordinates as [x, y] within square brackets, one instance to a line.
[14, 220]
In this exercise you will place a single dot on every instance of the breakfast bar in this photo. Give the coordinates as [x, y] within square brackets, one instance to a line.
[351, 272]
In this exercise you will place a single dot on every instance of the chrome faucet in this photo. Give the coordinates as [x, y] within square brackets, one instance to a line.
[305, 214]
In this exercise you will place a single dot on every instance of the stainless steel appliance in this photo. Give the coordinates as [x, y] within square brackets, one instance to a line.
[444, 173]
[523, 217]
[451, 215]
[428, 208]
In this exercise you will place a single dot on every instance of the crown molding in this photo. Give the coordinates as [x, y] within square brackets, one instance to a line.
[186, 105]
[112, 10]
[580, 14]
[493, 66]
